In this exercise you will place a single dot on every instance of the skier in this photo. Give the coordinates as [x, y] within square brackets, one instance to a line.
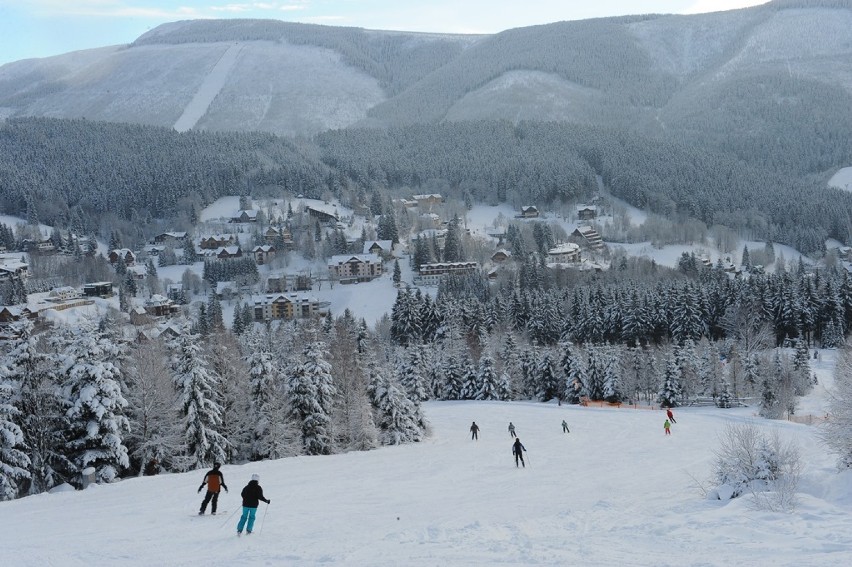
[670, 415]
[512, 429]
[565, 427]
[252, 495]
[215, 482]
[668, 427]
[517, 450]
[474, 432]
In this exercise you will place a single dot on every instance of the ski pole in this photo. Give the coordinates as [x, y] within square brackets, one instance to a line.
[228, 519]
[528, 460]
[265, 510]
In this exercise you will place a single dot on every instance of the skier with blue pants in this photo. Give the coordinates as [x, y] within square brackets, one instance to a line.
[252, 495]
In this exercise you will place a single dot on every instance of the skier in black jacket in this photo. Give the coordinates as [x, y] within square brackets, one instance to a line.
[518, 451]
[252, 495]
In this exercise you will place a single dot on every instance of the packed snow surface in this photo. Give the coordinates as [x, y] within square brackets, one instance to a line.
[613, 491]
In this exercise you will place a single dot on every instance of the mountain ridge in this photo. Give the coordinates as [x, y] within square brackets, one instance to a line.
[711, 77]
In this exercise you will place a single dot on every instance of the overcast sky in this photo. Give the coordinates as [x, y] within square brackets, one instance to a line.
[39, 28]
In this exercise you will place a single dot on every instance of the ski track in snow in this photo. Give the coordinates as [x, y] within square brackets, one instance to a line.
[208, 90]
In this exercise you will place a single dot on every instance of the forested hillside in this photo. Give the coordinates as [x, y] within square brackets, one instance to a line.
[78, 174]
[542, 162]
[82, 174]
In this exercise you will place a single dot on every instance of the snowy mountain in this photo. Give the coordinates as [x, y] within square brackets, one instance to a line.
[613, 491]
[752, 68]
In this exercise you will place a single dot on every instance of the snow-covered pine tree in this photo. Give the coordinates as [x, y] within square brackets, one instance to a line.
[528, 358]
[263, 380]
[670, 392]
[489, 386]
[311, 390]
[91, 393]
[511, 364]
[725, 399]
[42, 419]
[196, 385]
[14, 463]
[549, 385]
[470, 379]
[395, 414]
[612, 390]
[453, 374]
[232, 373]
[596, 372]
[573, 374]
[411, 373]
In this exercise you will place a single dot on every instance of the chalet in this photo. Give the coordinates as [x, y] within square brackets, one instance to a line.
[229, 253]
[159, 306]
[138, 272]
[10, 314]
[154, 249]
[274, 235]
[139, 316]
[566, 253]
[125, 253]
[355, 267]
[529, 212]
[244, 216]
[45, 246]
[13, 269]
[168, 331]
[285, 306]
[63, 293]
[173, 239]
[217, 241]
[429, 200]
[322, 215]
[98, 289]
[263, 254]
[590, 236]
[501, 256]
[378, 247]
[587, 212]
[432, 274]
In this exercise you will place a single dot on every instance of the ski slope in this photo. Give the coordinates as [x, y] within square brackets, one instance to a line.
[614, 491]
[208, 90]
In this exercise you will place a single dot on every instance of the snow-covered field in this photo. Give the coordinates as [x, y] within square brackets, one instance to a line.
[842, 179]
[613, 491]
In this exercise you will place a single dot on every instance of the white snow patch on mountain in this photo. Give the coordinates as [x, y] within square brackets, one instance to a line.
[208, 90]
[842, 179]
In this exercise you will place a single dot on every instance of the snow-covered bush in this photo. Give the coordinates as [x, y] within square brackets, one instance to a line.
[748, 461]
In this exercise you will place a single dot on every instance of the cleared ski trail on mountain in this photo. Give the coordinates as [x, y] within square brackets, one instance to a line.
[208, 90]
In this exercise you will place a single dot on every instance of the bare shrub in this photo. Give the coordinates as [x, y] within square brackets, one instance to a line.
[750, 462]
